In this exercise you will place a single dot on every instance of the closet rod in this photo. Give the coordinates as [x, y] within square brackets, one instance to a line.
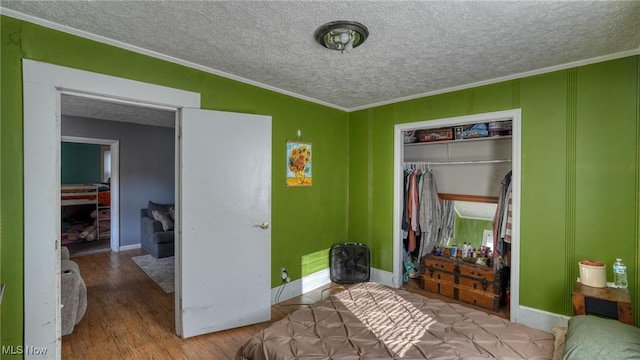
[456, 162]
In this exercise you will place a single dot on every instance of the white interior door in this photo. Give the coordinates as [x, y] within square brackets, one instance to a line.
[224, 251]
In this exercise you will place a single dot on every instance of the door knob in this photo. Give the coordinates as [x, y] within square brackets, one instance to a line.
[263, 226]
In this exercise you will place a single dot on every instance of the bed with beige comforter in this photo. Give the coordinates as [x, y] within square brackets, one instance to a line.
[372, 321]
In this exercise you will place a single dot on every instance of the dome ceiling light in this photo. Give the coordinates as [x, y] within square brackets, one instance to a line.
[341, 35]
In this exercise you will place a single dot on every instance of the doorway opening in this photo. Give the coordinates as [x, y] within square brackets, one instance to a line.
[202, 134]
[44, 85]
[93, 227]
[146, 137]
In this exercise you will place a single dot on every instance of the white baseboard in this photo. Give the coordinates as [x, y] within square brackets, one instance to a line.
[287, 291]
[535, 318]
[129, 247]
[315, 280]
[300, 286]
[321, 278]
[540, 319]
[382, 277]
[318, 279]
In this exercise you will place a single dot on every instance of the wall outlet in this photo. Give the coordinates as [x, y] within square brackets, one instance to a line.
[284, 275]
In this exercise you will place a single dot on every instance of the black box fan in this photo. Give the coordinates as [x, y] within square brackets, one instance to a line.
[349, 263]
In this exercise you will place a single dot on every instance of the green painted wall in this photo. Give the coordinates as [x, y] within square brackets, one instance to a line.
[580, 172]
[304, 220]
[315, 262]
[80, 163]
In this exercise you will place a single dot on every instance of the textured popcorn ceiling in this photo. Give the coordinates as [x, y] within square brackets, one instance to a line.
[414, 47]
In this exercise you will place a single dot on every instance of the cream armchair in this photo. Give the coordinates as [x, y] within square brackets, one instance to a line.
[73, 293]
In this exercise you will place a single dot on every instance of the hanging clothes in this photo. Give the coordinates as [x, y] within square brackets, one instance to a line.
[413, 209]
[502, 221]
[427, 221]
[430, 215]
[508, 218]
[405, 217]
[447, 222]
[507, 232]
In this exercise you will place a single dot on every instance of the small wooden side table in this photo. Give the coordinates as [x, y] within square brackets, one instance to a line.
[607, 302]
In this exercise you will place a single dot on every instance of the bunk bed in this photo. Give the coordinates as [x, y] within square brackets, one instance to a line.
[86, 214]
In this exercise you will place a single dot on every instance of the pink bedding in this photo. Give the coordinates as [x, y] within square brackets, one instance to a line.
[372, 321]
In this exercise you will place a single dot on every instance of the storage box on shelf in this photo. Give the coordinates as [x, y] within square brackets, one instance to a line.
[431, 135]
[500, 128]
[471, 131]
[471, 283]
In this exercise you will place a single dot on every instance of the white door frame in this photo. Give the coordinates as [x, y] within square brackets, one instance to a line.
[516, 158]
[42, 85]
[114, 146]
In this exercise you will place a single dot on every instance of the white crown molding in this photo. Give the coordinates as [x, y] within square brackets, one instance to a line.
[105, 40]
[505, 78]
[139, 50]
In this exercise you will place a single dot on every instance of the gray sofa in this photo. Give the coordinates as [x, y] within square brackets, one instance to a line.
[154, 239]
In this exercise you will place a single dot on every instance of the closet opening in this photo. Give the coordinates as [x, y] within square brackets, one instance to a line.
[454, 179]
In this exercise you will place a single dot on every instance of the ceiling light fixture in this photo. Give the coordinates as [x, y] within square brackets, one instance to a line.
[341, 35]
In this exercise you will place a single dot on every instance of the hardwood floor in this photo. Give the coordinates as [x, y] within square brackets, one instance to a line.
[130, 317]
[82, 248]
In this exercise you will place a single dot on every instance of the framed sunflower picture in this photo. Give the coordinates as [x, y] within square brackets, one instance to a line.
[299, 163]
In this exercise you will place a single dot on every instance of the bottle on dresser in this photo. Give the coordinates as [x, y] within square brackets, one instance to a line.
[620, 274]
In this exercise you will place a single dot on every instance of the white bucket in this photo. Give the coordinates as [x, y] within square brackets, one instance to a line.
[594, 276]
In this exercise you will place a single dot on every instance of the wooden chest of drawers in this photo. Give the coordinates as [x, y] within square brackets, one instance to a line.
[474, 284]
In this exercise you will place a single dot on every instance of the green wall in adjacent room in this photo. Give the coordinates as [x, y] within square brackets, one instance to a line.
[580, 173]
[304, 220]
[469, 231]
[79, 163]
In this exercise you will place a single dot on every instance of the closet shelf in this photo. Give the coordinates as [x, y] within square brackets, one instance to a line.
[458, 162]
[504, 137]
